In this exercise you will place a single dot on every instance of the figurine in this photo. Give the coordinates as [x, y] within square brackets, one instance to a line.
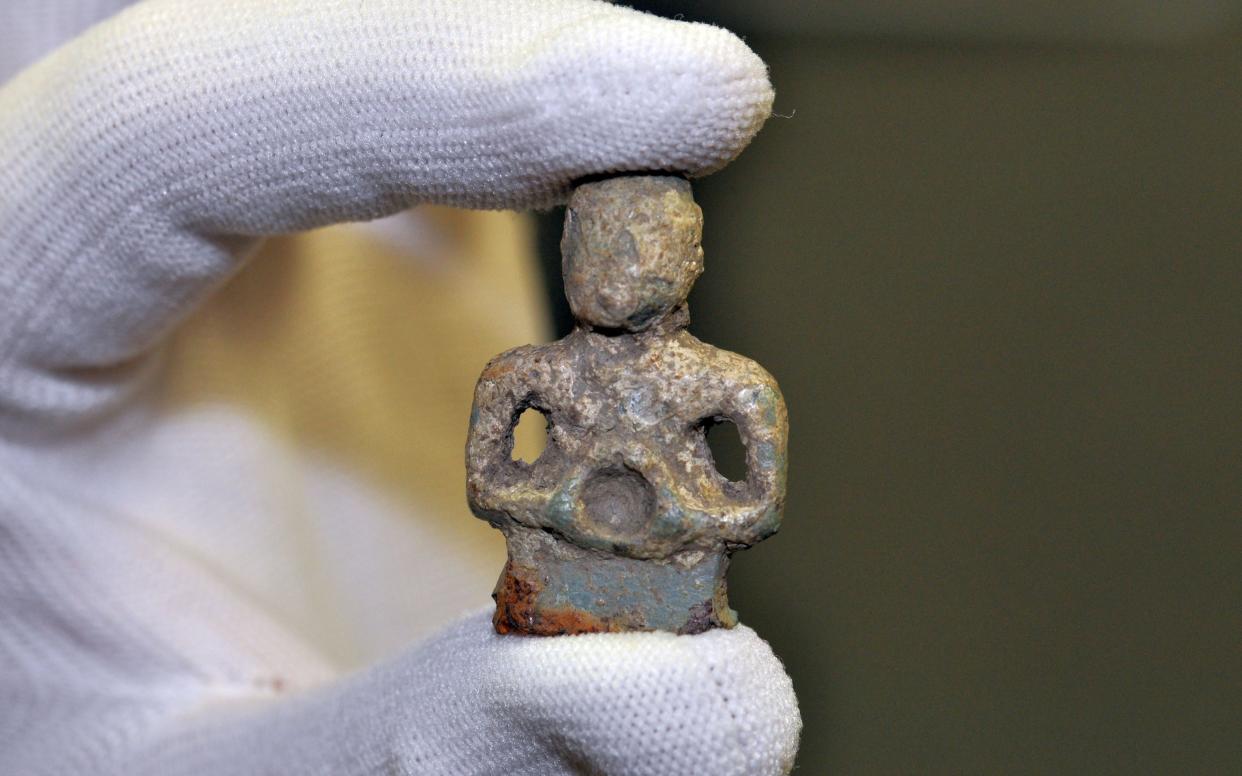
[623, 522]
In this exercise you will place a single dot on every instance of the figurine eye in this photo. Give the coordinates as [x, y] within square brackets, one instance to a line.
[530, 436]
[728, 452]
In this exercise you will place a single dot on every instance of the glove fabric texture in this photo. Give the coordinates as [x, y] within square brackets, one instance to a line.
[155, 589]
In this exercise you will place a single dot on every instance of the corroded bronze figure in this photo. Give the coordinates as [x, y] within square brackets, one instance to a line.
[624, 522]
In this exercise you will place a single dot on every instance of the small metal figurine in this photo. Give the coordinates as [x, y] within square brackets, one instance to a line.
[623, 522]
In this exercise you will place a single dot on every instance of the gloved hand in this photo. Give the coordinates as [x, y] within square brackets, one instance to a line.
[142, 163]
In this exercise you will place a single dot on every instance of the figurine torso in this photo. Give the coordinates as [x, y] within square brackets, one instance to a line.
[631, 409]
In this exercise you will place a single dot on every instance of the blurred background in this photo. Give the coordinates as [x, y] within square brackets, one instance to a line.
[992, 251]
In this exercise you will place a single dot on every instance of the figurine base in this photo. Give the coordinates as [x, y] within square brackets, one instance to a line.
[550, 587]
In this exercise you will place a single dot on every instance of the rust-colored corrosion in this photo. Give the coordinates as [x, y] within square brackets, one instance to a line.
[623, 522]
[518, 610]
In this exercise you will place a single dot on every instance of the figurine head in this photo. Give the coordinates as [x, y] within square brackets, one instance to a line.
[631, 250]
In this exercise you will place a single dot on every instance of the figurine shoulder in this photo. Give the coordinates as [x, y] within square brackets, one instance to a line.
[514, 363]
[724, 366]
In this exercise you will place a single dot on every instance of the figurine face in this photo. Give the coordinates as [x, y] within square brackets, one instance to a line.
[629, 258]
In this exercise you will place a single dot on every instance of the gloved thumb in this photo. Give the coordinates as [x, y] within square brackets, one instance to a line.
[471, 702]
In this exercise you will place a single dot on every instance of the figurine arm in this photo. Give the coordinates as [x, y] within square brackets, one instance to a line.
[495, 483]
[758, 409]
[497, 398]
[495, 407]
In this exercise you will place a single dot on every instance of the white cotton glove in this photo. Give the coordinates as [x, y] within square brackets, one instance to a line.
[141, 164]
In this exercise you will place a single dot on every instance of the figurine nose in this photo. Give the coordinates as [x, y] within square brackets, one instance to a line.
[617, 502]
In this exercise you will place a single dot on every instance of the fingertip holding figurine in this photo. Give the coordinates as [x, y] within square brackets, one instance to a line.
[623, 523]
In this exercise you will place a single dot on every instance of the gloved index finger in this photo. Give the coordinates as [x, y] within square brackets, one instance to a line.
[146, 157]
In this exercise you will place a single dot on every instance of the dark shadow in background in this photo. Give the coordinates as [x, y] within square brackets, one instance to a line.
[1001, 288]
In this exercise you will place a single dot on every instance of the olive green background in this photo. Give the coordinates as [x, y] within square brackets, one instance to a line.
[1001, 287]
